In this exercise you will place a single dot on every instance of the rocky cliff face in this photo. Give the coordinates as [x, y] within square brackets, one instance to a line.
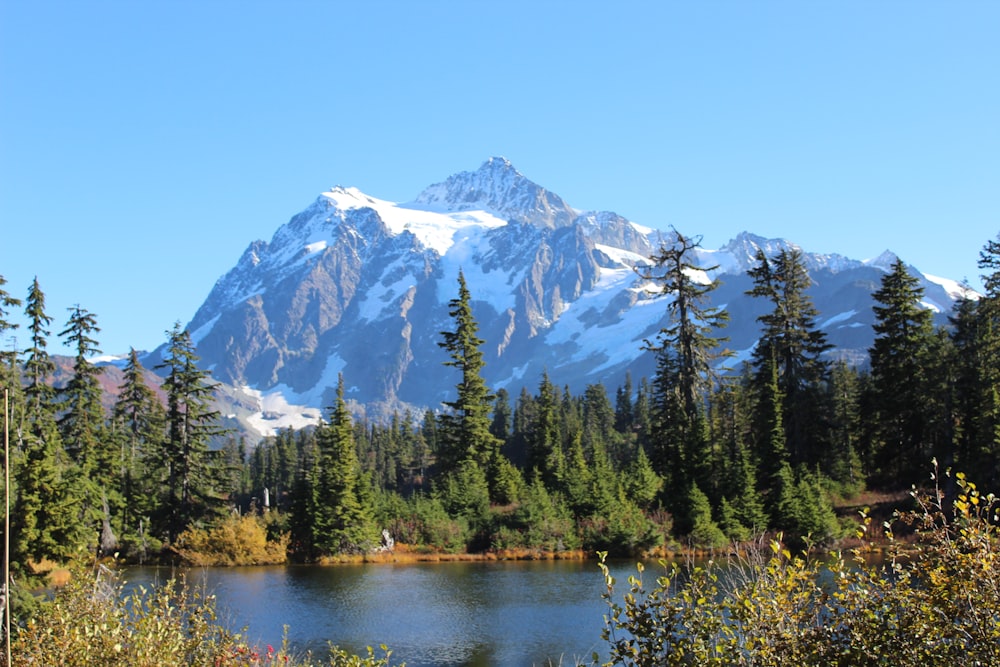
[359, 286]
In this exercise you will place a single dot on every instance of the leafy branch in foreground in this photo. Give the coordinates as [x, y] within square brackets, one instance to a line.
[932, 603]
[93, 620]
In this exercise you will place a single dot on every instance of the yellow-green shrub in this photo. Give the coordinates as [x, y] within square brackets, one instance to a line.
[235, 540]
[932, 603]
[91, 621]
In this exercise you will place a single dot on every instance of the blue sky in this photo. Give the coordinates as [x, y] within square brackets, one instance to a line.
[144, 145]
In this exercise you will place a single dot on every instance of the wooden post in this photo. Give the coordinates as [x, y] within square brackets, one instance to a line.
[6, 521]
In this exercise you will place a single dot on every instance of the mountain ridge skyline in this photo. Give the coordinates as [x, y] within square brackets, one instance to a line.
[357, 285]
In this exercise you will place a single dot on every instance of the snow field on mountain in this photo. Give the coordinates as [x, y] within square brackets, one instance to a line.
[435, 229]
[607, 343]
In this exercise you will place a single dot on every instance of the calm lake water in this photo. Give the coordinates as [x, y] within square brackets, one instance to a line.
[484, 614]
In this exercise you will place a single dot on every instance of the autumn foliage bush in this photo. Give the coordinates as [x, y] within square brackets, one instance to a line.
[931, 602]
[235, 540]
[94, 620]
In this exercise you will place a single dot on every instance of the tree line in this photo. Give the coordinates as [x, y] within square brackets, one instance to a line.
[698, 454]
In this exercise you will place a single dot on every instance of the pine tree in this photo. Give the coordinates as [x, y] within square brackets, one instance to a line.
[624, 414]
[791, 341]
[340, 522]
[844, 461]
[546, 459]
[192, 470]
[642, 484]
[82, 427]
[686, 354]
[465, 432]
[306, 500]
[984, 423]
[138, 423]
[82, 420]
[502, 415]
[38, 366]
[687, 337]
[897, 416]
[9, 374]
[50, 519]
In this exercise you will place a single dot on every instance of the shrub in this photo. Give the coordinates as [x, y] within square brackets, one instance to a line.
[91, 621]
[235, 540]
[542, 520]
[932, 604]
[423, 521]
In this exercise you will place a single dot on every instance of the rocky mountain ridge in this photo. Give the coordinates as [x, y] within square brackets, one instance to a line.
[359, 286]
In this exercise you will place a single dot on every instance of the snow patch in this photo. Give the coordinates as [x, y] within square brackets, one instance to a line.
[318, 246]
[955, 289]
[839, 317]
[199, 334]
[276, 413]
[381, 296]
[436, 229]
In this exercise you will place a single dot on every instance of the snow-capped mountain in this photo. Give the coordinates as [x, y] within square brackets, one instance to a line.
[359, 286]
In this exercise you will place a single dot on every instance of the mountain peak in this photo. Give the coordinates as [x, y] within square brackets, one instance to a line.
[883, 261]
[498, 188]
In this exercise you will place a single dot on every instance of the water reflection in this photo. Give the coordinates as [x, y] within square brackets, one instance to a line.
[480, 614]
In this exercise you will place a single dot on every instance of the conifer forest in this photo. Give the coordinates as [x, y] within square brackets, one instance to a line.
[700, 455]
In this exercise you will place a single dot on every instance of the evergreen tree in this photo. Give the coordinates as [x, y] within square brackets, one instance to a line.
[465, 431]
[191, 469]
[546, 459]
[982, 422]
[522, 428]
[306, 500]
[49, 518]
[579, 479]
[704, 532]
[642, 484]
[624, 415]
[38, 366]
[9, 374]
[82, 420]
[598, 422]
[791, 342]
[340, 522]
[502, 415]
[687, 338]
[844, 462]
[686, 351]
[138, 422]
[899, 382]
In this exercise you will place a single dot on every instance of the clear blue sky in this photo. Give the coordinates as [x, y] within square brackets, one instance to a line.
[143, 145]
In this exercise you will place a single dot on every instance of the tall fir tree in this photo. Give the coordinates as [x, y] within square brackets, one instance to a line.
[38, 365]
[50, 518]
[340, 522]
[502, 415]
[138, 424]
[897, 417]
[987, 428]
[844, 463]
[10, 376]
[546, 459]
[687, 351]
[82, 426]
[82, 417]
[192, 471]
[791, 341]
[465, 432]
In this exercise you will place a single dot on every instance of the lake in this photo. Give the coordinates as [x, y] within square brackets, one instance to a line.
[512, 613]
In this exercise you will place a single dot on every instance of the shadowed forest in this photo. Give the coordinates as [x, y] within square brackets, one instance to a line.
[697, 456]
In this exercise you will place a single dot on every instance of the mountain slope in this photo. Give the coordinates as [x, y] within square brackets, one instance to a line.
[359, 286]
